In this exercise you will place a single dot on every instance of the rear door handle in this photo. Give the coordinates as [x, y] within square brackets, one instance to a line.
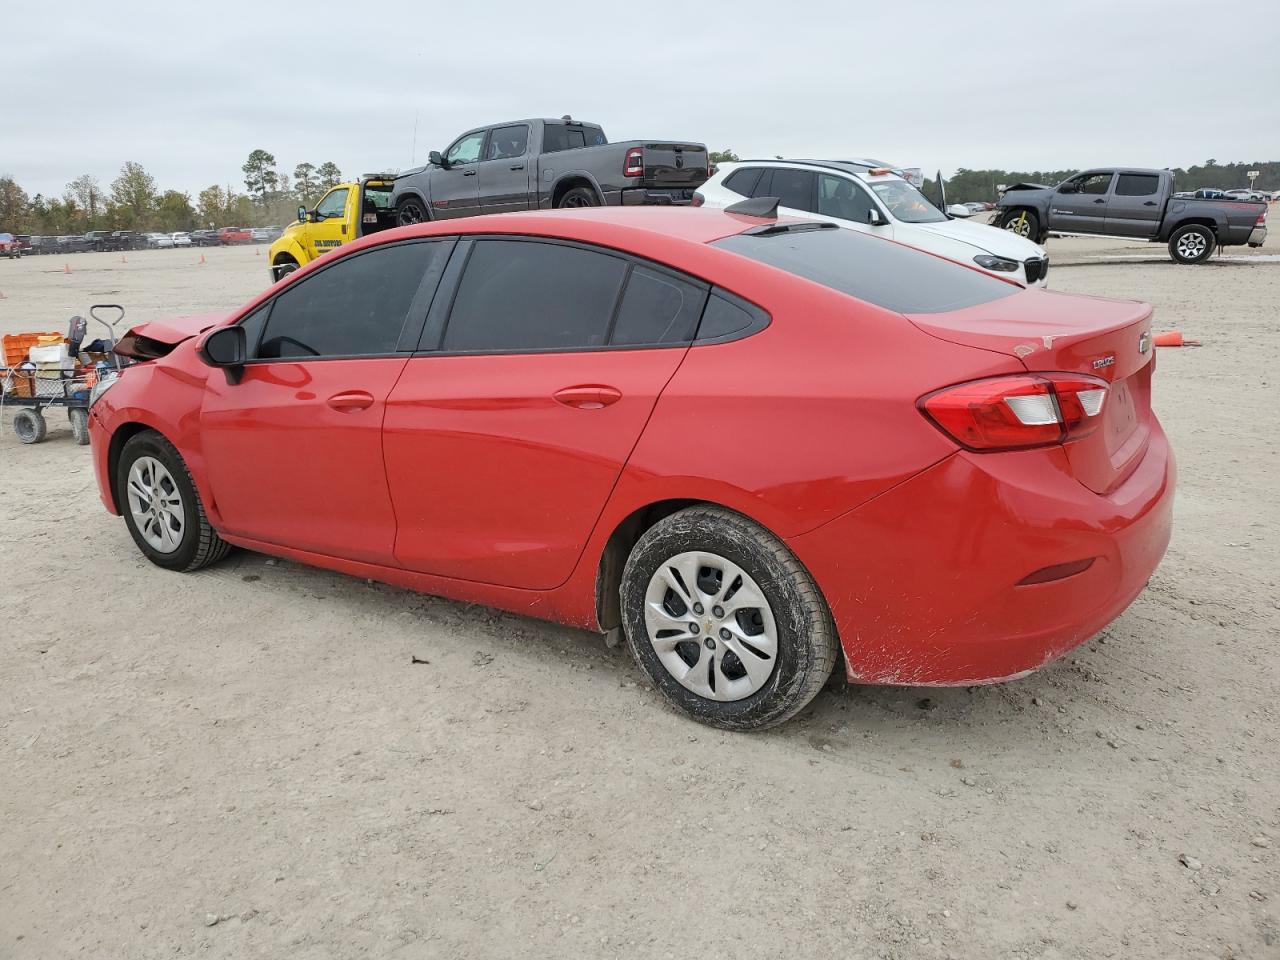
[1150, 203]
[468, 173]
[588, 396]
[1100, 200]
[517, 166]
[350, 401]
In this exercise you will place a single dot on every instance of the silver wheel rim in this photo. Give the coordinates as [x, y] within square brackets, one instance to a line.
[711, 626]
[1019, 226]
[156, 504]
[1192, 245]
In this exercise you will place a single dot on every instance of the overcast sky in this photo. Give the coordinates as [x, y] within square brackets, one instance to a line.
[188, 89]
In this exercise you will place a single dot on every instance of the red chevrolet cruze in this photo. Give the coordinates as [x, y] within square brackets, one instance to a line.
[751, 445]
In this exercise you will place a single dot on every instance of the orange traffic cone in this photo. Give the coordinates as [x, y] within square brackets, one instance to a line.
[202, 259]
[1173, 338]
[123, 258]
[2, 296]
[66, 268]
[257, 251]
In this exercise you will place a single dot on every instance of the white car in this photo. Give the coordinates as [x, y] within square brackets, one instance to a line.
[875, 200]
[180, 239]
[157, 241]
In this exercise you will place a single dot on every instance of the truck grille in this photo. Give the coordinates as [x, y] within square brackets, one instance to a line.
[1037, 269]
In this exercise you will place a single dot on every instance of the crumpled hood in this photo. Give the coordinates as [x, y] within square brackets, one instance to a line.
[982, 237]
[154, 339]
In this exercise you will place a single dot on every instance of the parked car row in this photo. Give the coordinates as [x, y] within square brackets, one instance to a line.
[121, 240]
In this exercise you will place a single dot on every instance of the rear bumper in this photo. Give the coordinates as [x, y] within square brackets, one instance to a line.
[657, 196]
[1258, 237]
[923, 581]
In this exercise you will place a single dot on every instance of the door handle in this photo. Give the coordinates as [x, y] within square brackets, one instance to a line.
[468, 173]
[350, 401]
[1150, 203]
[517, 166]
[591, 396]
[1100, 200]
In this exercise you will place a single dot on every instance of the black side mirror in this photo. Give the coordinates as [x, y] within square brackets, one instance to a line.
[226, 348]
[436, 159]
[302, 213]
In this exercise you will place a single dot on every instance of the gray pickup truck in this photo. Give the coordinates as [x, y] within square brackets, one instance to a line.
[544, 164]
[1131, 204]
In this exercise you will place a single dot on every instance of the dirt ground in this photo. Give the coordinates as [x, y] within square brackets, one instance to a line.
[246, 762]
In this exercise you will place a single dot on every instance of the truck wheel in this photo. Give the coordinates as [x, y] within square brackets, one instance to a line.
[411, 210]
[579, 197]
[1023, 222]
[282, 268]
[1193, 243]
[29, 425]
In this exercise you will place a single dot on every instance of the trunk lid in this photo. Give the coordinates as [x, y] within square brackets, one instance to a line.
[1099, 337]
[674, 164]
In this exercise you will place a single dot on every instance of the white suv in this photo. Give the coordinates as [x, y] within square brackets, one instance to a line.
[876, 200]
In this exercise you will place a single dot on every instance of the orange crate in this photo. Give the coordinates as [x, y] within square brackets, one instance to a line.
[17, 345]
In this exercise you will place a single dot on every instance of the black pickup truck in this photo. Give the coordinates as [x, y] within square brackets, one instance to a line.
[1131, 204]
[545, 164]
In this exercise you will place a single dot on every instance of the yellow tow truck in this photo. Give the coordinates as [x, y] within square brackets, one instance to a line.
[347, 211]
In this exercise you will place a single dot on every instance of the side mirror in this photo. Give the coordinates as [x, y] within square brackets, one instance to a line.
[875, 218]
[436, 159]
[302, 213]
[225, 348]
[1069, 188]
[959, 210]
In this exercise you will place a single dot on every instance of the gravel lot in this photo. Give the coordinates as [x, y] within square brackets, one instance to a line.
[246, 761]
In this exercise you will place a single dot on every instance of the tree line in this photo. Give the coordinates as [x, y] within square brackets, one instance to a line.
[135, 202]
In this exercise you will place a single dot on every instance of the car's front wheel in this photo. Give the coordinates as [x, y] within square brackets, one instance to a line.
[1024, 223]
[411, 210]
[161, 506]
[727, 623]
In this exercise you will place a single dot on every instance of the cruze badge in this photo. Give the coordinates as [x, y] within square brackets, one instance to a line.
[1104, 362]
[1144, 341]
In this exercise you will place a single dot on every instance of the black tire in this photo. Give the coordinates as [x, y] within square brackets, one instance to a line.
[283, 266]
[30, 426]
[807, 647]
[411, 210]
[79, 425]
[200, 544]
[1023, 222]
[1193, 243]
[579, 197]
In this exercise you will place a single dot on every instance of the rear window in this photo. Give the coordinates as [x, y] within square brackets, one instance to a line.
[872, 269]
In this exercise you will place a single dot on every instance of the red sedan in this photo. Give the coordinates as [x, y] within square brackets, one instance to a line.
[751, 445]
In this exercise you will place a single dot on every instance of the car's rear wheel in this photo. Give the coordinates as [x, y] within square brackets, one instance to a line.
[1024, 223]
[161, 506]
[579, 197]
[727, 623]
[411, 210]
[1193, 243]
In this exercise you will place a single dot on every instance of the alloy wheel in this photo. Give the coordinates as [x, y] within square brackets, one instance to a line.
[1192, 245]
[711, 626]
[156, 504]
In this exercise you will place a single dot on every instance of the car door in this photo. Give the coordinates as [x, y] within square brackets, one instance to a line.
[1080, 204]
[844, 201]
[506, 433]
[328, 230]
[504, 170]
[294, 448]
[455, 188]
[1133, 209]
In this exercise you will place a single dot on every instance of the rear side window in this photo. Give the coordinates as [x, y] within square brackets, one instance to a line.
[871, 269]
[742, 182]
[793, 188]
[356, 307]
[561, 136]
[1137, 185]
[507, 143]
[526, 296]
[657, 308]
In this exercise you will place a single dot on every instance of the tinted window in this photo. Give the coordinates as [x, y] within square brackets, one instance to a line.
[354, 308]
[657, 308]
[1137, 185]
[793, 188]
[869, 268]
[743, 181]
[334, 204]
[838, 197]
[725, 316]
[253, 325]
[559, 136]
[466, 150]
[508, 142]
[521, 295]
[1095, 183]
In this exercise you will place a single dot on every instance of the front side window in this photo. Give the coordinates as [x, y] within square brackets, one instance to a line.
[1093, 184]
[907, 204]
[334, 203]
[1137, 185]
[465, 150]
[841, 197]
[793, 188]
[356, 307]
[507, 143]
[518, 296]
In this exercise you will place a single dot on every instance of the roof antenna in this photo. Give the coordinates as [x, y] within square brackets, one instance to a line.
[766, 208]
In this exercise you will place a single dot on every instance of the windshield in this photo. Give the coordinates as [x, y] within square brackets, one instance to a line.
[906, 203]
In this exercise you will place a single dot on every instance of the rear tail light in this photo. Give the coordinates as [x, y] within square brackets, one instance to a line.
[1010, 413]
[1262, 218]
[633, 163]
[697, 200]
